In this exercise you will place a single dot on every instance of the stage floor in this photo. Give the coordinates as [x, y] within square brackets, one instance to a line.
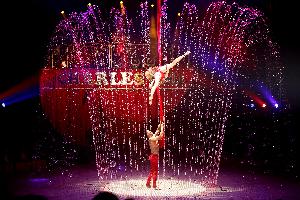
[83, 183]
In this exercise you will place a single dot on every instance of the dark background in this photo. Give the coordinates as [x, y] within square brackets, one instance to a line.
[26, 27]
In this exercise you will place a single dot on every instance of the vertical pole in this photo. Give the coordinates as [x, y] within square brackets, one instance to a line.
[158, 31]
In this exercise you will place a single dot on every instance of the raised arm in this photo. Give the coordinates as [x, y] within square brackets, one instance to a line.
[161, 132]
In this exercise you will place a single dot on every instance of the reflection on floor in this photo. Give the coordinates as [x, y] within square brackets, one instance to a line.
[83, 183]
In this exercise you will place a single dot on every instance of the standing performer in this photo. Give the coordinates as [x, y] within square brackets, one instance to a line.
[154, 148]
[157, 75]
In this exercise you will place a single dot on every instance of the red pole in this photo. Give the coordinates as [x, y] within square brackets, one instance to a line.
[158, 32]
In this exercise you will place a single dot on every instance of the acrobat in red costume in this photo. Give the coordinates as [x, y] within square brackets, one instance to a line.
[154, 156]
[156, 76]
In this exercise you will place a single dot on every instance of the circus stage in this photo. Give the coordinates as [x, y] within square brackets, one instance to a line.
[110, 75]
[84, 184]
